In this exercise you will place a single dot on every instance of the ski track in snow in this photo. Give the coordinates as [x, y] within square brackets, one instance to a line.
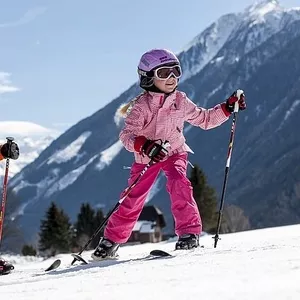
[260, 264]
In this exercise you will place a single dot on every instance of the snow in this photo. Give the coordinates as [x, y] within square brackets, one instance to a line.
[253, 265]
[147, 227]
[288, 113]
[258, 110]
[108, 155]
[210, 41]
[69, 151]
[144, 226]
[291, 110]
[41, 187]
[261, 8]
[68, 178]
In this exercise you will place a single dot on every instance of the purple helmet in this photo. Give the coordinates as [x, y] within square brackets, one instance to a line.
[155, 58]
[151, 60]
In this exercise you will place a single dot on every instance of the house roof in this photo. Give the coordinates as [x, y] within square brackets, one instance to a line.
[144, 226]
[154, 214]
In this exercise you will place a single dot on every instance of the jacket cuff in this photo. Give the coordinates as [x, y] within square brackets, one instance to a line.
[139, 142]
[226, 112]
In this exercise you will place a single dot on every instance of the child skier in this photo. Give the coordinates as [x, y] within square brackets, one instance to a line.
[5, 267]
[152, 118]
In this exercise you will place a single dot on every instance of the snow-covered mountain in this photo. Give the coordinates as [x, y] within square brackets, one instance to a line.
[31, 138]
[253, 265]
[256, 50]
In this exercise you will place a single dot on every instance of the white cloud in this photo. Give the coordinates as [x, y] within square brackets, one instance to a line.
[5, 84]
[62, 125]
[29, 16]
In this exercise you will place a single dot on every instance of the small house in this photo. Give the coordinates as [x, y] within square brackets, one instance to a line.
[148, 228]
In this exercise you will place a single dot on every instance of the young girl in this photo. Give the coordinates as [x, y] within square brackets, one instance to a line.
[5, 267]
[156, 116]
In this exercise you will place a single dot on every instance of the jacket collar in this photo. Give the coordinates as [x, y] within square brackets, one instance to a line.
[161, 99]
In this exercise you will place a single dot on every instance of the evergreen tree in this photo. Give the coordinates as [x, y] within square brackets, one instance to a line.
[205, 198]
[88, 221]
[55, 232]
[84, 227]
[99, 217]
[28, 250]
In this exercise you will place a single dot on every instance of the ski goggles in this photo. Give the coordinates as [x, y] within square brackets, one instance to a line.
[165, 72]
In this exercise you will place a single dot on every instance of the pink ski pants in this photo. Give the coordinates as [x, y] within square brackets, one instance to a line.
[183, 205]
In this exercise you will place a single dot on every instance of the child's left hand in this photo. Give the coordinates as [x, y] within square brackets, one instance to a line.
[155, 151]
[230, 102]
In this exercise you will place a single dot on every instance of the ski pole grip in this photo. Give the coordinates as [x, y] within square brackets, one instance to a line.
[9, 141]
[236, 104]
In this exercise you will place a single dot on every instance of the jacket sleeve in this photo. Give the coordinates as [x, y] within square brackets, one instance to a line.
[134, 123]
[204, 118]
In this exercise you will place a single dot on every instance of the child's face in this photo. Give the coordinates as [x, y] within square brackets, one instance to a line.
[166, 86]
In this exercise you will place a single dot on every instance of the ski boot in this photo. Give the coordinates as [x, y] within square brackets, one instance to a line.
[106, 250]
[5, 267]
[187, 241]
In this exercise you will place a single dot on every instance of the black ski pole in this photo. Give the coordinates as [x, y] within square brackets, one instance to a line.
[4, 192]
[127, 191]
[236, 109]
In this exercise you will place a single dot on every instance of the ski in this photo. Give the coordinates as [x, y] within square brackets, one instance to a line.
[54, 265]
[154, 254]
[160, 253]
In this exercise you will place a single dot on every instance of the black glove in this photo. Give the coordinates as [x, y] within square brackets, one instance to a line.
[13, 153]
[153, 149]
[230, 102]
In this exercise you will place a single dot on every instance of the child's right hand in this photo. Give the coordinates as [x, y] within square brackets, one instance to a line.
[154, 150]
[230, 102]
[12, 153]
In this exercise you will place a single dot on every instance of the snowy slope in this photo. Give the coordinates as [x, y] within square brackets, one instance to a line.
[257, 50]
[253, 265]
[31, 138]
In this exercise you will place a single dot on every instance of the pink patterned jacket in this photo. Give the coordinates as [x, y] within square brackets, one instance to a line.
[155, 118]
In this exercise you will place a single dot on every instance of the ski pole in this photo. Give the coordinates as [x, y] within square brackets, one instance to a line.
[126, 193]
[236, 109]
[4, 191]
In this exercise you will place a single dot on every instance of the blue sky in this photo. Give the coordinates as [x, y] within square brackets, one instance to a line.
[61, 60]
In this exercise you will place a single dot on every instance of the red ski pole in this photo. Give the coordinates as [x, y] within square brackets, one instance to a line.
[230, 147]
[4, 191]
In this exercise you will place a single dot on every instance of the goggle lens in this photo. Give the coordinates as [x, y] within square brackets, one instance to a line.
[166, 72]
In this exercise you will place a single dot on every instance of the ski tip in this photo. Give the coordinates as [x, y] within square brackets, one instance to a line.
[79, 258]
[54, 265]
[159, 253]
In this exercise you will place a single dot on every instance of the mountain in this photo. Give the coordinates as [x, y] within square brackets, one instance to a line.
[256, 50]
[31, 138]
[251, 265]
